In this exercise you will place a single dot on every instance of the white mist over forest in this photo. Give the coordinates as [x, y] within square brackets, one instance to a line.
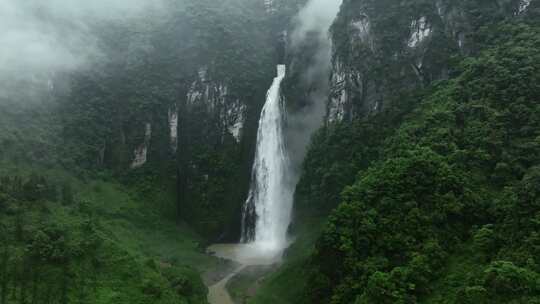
[45, 37]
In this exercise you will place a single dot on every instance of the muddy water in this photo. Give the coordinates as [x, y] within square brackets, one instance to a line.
[217, 293]
[244, 255]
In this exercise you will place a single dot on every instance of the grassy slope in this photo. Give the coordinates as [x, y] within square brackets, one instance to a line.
[142, 232]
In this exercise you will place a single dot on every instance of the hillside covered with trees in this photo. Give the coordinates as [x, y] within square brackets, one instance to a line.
[433, 200]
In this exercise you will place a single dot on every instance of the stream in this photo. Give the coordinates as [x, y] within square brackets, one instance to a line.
[218, 294]
[243, 255]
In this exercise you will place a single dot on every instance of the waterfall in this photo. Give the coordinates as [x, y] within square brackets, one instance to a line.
[267, 211]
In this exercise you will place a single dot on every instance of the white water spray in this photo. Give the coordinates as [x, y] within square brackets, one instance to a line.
[269, 203]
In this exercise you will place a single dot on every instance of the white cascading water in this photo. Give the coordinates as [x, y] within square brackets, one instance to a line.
[270, 196]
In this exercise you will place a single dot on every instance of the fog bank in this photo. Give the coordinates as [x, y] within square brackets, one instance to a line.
[316, 16]
[40, 38]
[312, 24]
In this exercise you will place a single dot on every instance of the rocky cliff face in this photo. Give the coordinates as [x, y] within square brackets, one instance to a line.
[216, 136]
[180, 98]
[216, 99]
[382, 47]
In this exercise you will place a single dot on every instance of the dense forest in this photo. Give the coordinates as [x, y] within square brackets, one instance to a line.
[434, 198]
[420, 184]
[446, 205]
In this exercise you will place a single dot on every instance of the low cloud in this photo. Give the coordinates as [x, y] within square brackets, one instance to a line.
[313, 22]
[44, 37]
[316, 16]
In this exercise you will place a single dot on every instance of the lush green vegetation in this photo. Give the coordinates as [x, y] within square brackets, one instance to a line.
[67, 241]
[76, 225]
[436, 199]
[442, 204]
[433, 200]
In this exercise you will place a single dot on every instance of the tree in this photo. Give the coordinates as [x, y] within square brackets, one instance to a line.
[387, 288]
[506, 279]
[484, 241]
[4, 275]
[67, 194]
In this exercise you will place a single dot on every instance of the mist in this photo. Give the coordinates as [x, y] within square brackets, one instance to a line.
[312, 23]
[41, 38]
[316, 16]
